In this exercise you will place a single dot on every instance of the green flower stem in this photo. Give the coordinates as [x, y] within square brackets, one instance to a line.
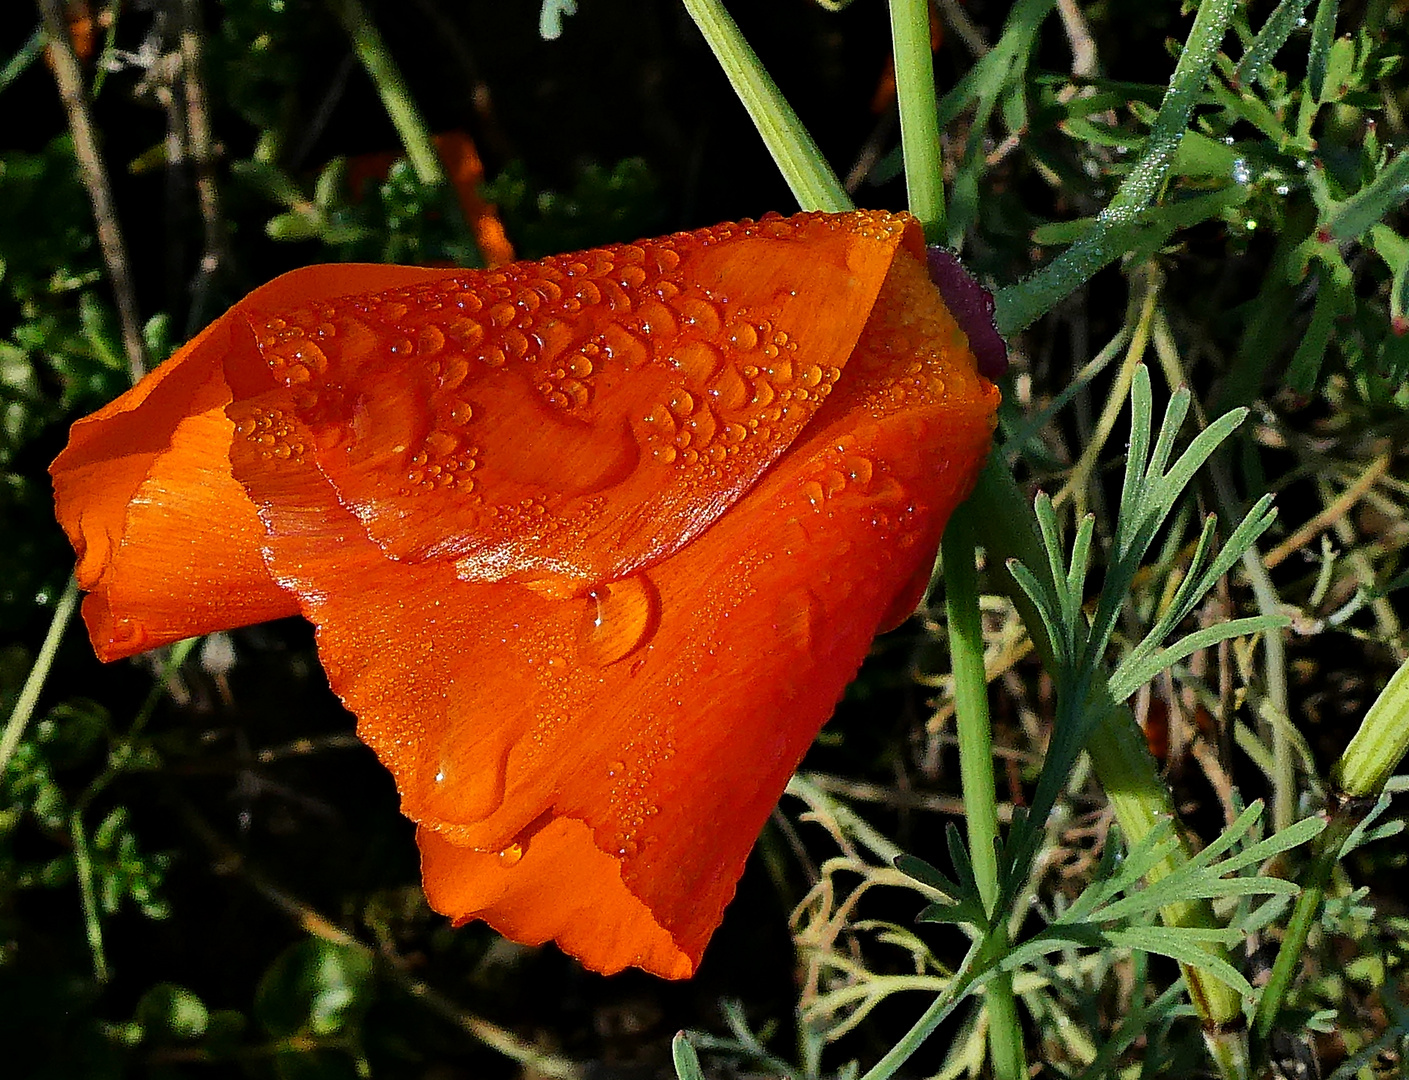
[1020, 305]
[1308, 907]
[376, 59]
[919, 114]
[1005, 1038]
[813, 183]
[38, 674]
[1359, 776]
[1004, 525]
[92, 920]
[371, 50]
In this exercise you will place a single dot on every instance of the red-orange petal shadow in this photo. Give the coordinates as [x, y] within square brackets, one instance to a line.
[591, 731]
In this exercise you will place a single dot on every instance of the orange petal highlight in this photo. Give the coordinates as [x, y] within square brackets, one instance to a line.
[591, 667]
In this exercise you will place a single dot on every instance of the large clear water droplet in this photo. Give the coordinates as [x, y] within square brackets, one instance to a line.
[620, 618]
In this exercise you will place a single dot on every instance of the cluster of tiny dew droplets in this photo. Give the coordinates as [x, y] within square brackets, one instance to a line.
[272, 433]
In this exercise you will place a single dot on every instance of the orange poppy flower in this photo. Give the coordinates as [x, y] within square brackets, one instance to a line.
[593, 544]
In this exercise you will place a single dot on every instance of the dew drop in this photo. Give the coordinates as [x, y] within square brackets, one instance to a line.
[697, 360]
[859, 469]
[742, 335]
[511, 855]
[441, 444]
[699, 315]
[813, 493]
[432, 340]
[729, 389]
[576, 391]
[656, 319]
[502, 314]
[703, 425]
[620, 618]
[793, 618]
[624, 347]
[681, 402]
[453, 372]
[466, 332]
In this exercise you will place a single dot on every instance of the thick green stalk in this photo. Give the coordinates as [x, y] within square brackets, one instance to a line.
[1005, 1039]
[813, 183]
[919, 113]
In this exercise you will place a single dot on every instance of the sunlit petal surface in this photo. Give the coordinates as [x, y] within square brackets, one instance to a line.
[593, 544]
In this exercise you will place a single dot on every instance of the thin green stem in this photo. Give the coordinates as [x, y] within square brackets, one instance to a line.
[1308, 906]
[411, 128]
[919, 114]
[38, 675]
[1020, 305]
[813, 183]
[83, 870]
[1005, 1038]
[371, 50]
[121, 754]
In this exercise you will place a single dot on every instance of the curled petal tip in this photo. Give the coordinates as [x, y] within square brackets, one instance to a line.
[972, 307]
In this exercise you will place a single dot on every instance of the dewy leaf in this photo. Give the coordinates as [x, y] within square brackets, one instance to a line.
[593, 544]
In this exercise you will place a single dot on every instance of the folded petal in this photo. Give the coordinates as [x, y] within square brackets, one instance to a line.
[168, 543]
[593, 767]
[580, 418]
[593, 545]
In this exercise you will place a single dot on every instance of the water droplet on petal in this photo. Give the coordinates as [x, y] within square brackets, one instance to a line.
[511, 855]
[729, 389]
[619, 619]
[697, 360]
[742, 335]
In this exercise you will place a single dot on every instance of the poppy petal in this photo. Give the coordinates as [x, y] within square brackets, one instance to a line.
[590, 634]
[579, 418]
[661, 713]
[168, 543]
